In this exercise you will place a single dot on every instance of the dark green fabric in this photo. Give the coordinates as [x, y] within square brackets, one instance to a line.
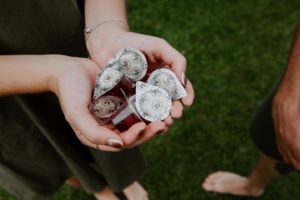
[38, 149]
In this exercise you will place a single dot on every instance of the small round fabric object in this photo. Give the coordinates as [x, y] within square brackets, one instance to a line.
[152, 102]
[167, 80]
[108, 78]
[133, 63]
[104, 107]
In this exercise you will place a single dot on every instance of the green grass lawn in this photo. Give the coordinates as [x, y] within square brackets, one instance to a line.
[236, 51]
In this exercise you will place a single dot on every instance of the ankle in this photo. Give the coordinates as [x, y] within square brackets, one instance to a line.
[254, 189]
[105, 194]
[135, 191]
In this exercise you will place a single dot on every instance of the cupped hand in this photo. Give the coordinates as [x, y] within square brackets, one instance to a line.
[73, 85]
[106, 41]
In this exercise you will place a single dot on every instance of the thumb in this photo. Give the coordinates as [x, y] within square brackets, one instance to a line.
[171, 57]
[88, 127]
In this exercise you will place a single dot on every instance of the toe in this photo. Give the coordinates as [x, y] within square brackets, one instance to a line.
[208, 185]
[214, 176]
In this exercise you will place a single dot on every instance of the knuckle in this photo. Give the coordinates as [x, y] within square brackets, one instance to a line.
[83, 141]
[93, 139]
[116, 150]
[162, 41]
[69, 118]
[183, 60]
[178, 115]
[126, 142]
[150, 134]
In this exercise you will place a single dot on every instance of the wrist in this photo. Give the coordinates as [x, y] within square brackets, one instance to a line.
[88, 30]
[67, 68]
[105, 33]
[59, 65]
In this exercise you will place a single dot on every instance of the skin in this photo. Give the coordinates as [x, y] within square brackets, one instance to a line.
[286, 108]
[253, 185]
[105, 41]
[286, 115]
[73, 79]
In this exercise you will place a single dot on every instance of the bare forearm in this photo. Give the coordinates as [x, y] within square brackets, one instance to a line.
[97, 11]
[28, 73]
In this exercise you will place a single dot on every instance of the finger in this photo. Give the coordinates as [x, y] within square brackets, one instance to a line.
[83, 140]
[189, 98]
[151, 130]
[170, 56]
[109, 126]
[168, 121]
[152, 61]
[116, 131]
[177, 108]
[101, 57]
[133, 133]
[93, 132]
[98, 147]
[165, 130]
[107, 148]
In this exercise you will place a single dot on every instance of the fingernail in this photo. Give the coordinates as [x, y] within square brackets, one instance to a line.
[114, 143]
[183, 78]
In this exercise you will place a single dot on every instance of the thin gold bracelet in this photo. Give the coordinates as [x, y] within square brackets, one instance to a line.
[89, 30]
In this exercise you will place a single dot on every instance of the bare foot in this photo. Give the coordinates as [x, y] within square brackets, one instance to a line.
[105, 194]
[230, 183]
[136, 191]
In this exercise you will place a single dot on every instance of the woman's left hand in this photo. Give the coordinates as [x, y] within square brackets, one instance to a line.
[107, 40]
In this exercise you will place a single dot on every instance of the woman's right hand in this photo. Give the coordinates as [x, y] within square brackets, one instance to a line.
[73, 86]
[72, 80]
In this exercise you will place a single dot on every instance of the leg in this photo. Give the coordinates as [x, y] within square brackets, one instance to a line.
[229, 183]
[73, 182]
[105, 194]
[135, 191]
[123, 179]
